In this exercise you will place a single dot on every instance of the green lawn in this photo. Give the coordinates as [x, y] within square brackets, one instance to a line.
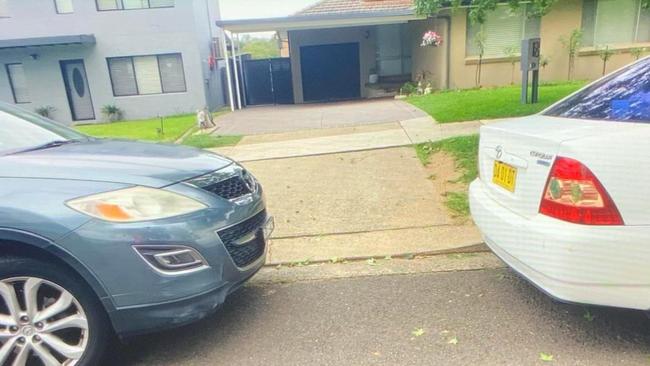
[488, 103]
[148, 129]
[465, 151]
[210, 141]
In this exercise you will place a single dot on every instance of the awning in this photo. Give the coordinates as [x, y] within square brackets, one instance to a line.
[320, 21]
[81, 39]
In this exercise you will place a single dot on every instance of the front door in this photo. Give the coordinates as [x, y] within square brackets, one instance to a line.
[76, 87]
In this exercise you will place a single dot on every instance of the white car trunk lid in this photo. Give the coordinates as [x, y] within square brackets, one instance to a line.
[529, 145]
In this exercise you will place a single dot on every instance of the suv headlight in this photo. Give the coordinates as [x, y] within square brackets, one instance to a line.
[135, 204]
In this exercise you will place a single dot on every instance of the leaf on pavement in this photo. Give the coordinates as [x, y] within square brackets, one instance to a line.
[372, 262]
[417, 332]
[453, 341]
[545, 357]
[589, 316]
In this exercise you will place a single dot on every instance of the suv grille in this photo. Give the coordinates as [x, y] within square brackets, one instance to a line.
[230, 188]
[244, 255]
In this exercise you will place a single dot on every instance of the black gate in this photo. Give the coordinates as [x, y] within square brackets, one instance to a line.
[268, 81]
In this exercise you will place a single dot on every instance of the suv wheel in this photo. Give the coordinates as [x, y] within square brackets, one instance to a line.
[48, 316]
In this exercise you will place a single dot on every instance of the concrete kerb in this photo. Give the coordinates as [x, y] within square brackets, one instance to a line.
[473, 248]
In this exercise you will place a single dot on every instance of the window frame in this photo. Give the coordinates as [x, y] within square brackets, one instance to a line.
[56, 8]
[120, 6]
[137, 88]
[592, 31]
[524, 30]
[11, 82]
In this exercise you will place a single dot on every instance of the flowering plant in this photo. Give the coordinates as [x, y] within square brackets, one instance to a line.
[432, 39]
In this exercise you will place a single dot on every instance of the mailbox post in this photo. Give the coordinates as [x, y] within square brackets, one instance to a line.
[530, 54]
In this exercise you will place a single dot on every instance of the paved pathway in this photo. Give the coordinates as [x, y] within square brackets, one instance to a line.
[402, 133]
[274, 119]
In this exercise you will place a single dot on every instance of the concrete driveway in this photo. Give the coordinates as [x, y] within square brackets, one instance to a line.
[275, 119]
[372, 203]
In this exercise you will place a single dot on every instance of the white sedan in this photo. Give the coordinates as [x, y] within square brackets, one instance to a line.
[563, 197]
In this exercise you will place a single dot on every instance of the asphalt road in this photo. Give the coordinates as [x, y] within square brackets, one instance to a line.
[493, 317]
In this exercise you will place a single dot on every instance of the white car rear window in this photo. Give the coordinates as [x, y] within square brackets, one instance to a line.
[624, 96]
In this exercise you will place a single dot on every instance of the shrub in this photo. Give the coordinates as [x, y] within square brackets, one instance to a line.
[409, 88]
[45, 111]
[112, 112]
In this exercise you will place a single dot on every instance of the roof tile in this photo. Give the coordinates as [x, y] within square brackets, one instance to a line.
[356, 6]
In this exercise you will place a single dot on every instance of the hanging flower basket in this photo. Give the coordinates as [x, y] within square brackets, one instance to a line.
[431, 39]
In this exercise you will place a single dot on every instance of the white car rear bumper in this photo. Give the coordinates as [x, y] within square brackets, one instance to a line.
[607, 266]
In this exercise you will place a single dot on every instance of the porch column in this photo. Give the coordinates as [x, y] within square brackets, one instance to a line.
[235, 41]
[228, 75]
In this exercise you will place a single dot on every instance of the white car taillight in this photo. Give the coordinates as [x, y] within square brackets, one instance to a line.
[574, 194]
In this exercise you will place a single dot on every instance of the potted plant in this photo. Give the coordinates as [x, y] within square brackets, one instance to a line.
[431, 39]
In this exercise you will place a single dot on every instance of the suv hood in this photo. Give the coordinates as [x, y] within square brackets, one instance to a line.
[117, 161]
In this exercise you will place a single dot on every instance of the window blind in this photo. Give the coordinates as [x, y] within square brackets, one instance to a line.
[616, 21]
[4, 8]
[122, 76]
[153, 74]
[171, 73]
[16, 74]
[147, 74]
[643, 33]
[64, 6]
[504, 28]
[108, 4]
[161, 3]
[135, 4]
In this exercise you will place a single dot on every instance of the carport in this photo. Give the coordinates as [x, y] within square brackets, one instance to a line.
[331, 56]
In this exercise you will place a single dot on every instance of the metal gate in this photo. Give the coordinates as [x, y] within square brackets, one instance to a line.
[268, 81]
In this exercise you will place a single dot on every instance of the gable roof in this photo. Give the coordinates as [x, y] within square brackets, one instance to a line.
[357, 6]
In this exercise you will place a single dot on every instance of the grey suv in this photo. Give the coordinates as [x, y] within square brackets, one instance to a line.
[101, 237]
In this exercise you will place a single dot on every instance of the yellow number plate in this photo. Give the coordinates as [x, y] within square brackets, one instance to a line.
[504, 176]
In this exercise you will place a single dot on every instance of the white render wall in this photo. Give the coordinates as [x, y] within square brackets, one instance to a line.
[182, 29]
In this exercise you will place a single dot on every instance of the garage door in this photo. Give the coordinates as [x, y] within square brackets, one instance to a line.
[330, 72]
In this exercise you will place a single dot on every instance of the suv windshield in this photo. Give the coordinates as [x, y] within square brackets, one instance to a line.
[624, 96]
[21, 130]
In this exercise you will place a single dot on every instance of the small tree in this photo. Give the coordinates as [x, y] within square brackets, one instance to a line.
[479, 41]
[637, 52]
[512, 53]
[605, 54]
[572, 45]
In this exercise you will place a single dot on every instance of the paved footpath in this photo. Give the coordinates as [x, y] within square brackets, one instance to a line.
[318, 142]
[474, 317]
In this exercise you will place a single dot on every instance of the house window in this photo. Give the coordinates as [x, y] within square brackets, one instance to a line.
[504, 29]
[142, 75]
[18, 83]
[63, 6]
[133, 4]
[4, 8]
[606, 22]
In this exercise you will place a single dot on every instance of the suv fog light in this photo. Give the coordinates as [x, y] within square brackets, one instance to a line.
[172, 260]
